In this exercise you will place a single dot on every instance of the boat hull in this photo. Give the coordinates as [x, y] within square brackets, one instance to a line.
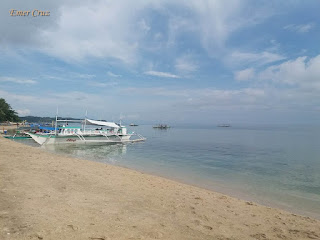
[75, 139]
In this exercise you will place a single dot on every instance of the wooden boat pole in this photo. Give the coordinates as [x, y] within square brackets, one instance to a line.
[55, 127]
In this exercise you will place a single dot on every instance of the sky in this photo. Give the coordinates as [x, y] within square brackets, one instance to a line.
[170, 61]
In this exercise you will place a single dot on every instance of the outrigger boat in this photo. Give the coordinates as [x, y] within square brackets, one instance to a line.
[17, 136]
[109, 132]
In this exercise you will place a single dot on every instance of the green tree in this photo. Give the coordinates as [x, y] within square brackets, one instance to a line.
[7, 113]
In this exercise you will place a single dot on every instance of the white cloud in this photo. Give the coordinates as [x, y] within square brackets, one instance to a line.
[129, 32]
[159, 91]
[111, 74]
[17, 31]
[66, 76]
[131, 116]
[19, 99]
[85, 76]
[215, 21]
[102, 84]
[206, 97]
[104, 29]
[161, 74]
[299, 28]
[23, 112]
[69, 103]
[244, 75]
[118, 29]
[17, 80]
[238, 58]
[186, 64]
[228, 99]
[260, 101]
[177, 26]
[301, 72]
[144, 26]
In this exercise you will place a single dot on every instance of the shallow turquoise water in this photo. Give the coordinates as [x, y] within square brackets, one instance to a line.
[273, 165]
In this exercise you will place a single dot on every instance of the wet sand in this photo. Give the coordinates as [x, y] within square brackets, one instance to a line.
[46, 196]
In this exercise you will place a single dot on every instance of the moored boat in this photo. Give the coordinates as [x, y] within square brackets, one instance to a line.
[87, 133]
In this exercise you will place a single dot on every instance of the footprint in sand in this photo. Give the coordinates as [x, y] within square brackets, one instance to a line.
[259, 236]
[208, 227]
[198, 223]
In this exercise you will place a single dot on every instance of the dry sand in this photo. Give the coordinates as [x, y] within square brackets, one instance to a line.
[45, 196]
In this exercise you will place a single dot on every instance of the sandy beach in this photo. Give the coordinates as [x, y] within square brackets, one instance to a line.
[9, 127]
[48, 196]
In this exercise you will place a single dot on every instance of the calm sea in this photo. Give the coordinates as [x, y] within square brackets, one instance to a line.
[277, 166]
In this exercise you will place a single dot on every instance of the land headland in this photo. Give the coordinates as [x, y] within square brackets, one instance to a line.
[48, 196]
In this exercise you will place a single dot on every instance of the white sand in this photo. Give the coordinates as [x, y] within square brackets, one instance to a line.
[45, 196]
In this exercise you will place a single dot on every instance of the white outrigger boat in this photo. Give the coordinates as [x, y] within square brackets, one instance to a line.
[109, 132]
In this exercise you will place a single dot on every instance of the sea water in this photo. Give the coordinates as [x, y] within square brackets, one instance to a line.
[277, 166]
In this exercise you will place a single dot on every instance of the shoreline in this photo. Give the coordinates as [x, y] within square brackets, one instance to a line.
[231, 192]
[49, 196]
[218, 187]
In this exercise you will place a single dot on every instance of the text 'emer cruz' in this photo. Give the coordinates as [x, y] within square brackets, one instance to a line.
[34, 13]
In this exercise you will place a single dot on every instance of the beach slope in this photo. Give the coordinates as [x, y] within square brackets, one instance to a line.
[48, 196]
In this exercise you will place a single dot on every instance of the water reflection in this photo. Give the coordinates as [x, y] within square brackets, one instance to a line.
[110, 153]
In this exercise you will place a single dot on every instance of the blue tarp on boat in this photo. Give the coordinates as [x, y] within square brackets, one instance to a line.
[47, 128]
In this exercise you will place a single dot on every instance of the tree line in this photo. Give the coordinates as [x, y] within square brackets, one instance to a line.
[7, 113]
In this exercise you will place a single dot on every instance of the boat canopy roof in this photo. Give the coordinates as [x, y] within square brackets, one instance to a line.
[103, 123]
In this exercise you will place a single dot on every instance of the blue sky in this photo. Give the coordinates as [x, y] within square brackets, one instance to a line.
[196, 61]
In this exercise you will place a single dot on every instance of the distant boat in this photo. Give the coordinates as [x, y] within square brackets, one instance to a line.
[224, 125]
[161, 126]
[133, 125]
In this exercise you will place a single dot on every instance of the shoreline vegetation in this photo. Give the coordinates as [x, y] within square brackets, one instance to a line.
[48, 196]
